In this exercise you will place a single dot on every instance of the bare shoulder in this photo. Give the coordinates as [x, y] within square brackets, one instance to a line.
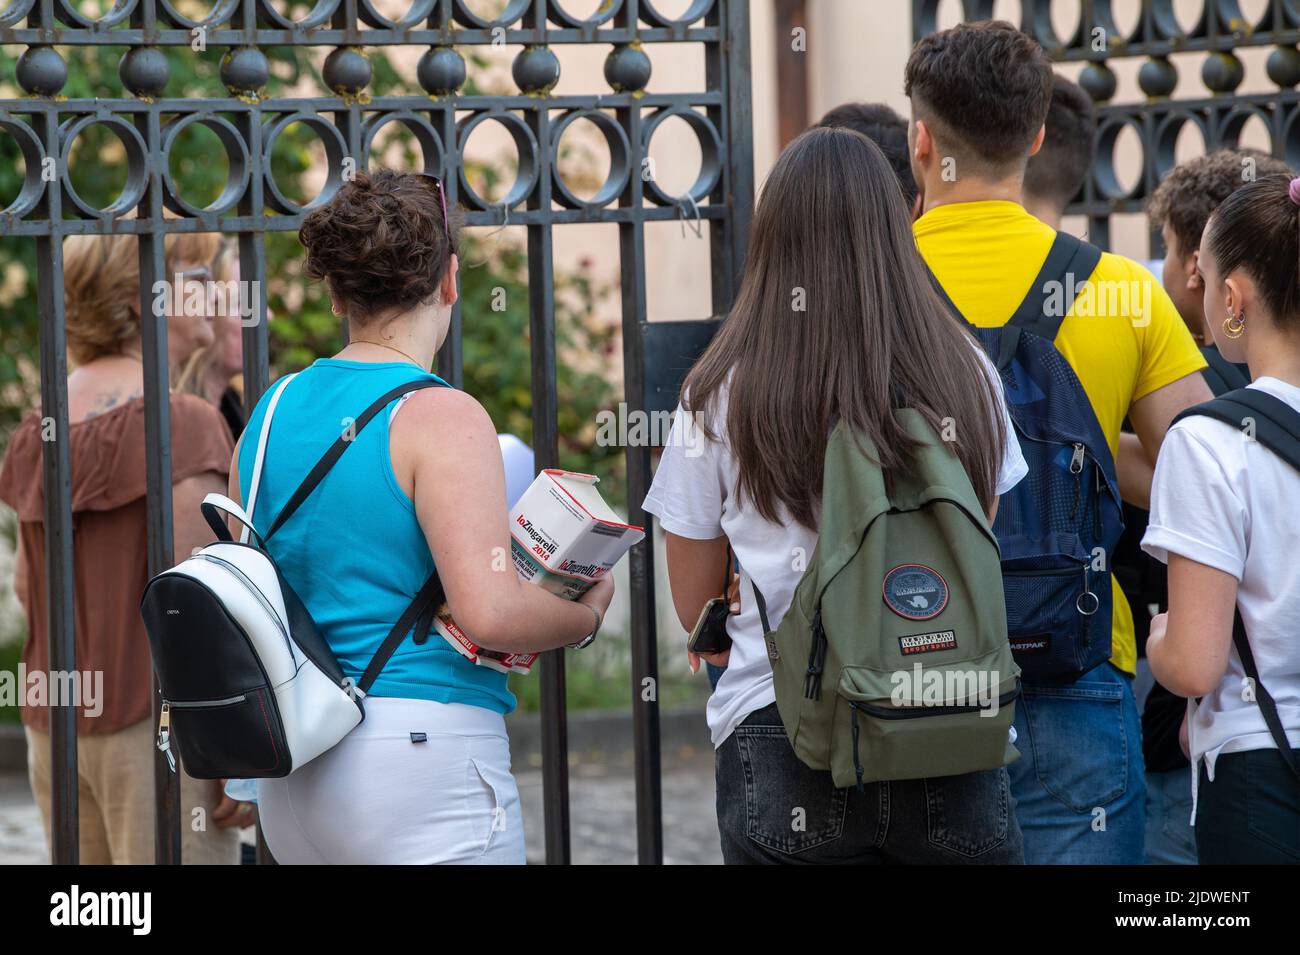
[441, 418]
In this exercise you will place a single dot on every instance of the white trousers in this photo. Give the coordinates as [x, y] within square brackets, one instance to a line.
[416, 783]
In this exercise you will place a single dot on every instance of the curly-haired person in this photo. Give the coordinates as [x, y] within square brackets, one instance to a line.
[1181, 206]
[426, 777]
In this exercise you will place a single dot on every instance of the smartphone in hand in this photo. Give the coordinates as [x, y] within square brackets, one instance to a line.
[709, 634]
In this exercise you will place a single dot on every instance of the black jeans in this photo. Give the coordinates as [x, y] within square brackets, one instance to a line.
[774, 810]
[1250, 813]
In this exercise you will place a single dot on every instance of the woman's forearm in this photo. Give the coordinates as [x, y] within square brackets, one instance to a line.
[528, 620]
[1190, 655]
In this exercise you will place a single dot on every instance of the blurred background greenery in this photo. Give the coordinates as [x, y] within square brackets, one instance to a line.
[494, 287]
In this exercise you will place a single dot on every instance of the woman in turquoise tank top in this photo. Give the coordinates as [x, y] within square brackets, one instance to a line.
[426, 777]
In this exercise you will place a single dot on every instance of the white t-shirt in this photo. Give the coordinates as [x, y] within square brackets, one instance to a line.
[694, 496]
[1222, 499]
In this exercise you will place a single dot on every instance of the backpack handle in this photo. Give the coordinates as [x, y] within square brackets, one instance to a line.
[214, 505]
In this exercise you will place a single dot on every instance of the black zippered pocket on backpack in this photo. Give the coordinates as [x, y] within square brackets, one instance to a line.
[237, 736]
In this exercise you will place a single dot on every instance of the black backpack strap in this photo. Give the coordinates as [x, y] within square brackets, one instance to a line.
[1267, 705]
[943, 296]
[330, 458]
[1276, 427]
[762, 607]
[1222, 375]
[1069, 258]
[419, 615]
[1070, 262]
[1273, 422]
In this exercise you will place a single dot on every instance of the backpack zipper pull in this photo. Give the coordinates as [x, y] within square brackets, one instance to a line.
[165, 734]
[812, 684]
[1076, 461]
[857, 763]
[1076, 468]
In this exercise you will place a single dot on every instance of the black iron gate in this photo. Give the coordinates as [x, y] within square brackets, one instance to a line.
[1155, 31]
[147, 123]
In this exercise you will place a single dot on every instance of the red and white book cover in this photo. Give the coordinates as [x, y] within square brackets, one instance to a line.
[563, 537]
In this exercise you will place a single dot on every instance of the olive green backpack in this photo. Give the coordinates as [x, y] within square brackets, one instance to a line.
[893, 660]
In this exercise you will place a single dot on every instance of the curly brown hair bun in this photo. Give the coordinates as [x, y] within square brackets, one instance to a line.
[380, 243]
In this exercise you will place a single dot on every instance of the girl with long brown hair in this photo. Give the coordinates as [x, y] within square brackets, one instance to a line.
[836, 320]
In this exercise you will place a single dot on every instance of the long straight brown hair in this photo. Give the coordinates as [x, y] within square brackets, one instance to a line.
[837, 320]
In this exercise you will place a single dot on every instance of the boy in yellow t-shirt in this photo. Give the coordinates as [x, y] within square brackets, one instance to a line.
[980, 95]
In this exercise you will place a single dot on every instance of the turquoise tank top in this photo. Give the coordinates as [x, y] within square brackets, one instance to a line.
[354, 551]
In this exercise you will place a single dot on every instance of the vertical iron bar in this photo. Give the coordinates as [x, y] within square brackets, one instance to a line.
[728, 69]
[158, 456]
[541, 323]
[252, 275]
[450, 355]
[252, 269]
[60, 586]
[645, 644]
[56, 476]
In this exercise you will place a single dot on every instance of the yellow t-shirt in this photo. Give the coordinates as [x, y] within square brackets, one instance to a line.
[1122, 336]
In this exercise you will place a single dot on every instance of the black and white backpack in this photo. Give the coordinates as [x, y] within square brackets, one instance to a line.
[248, 680]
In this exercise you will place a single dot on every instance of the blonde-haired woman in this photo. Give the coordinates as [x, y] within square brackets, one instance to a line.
[211, 371]
[107, 451]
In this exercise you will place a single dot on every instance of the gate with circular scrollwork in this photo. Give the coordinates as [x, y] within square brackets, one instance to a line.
[627, 111]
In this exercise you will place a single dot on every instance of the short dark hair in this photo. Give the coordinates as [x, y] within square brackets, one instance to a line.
[984, 88]
[385, 240]
[1257, 229]
[1191, 192]
[1059, 169]
[884, 127]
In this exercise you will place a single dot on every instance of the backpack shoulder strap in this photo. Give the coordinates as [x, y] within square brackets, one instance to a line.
[1274, 423]
[1070, 262]
[944, 297]
[419, 614]
[344, 441]
[1222, 375]
[1267, 705]
[1277, 427]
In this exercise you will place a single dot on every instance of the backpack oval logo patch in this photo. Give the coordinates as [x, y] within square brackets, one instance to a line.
[915, 591]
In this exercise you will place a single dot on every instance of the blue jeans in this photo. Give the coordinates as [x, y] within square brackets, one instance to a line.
[774, 810]
[1079, 784]
[715, 674]
[1171, 839]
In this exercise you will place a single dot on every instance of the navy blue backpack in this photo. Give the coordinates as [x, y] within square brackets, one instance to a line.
[1058, 528]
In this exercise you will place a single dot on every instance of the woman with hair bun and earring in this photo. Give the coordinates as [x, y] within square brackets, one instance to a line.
[1223, 517]
[426, 777]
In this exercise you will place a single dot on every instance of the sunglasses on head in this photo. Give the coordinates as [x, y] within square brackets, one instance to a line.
[442, 198]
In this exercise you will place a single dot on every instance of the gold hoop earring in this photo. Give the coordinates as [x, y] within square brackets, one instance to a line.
[1234, 326]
